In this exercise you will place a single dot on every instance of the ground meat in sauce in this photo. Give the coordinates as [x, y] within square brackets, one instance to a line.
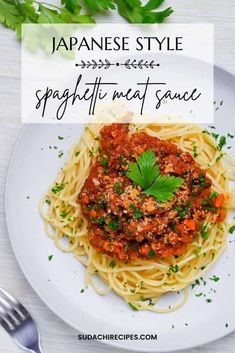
[127, 224]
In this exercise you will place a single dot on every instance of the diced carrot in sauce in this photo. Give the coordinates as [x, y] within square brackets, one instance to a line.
[222, 214]
[219, 200]
[190, 224]
[145, 249]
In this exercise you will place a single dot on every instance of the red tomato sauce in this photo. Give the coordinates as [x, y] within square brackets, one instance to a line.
[127, 224]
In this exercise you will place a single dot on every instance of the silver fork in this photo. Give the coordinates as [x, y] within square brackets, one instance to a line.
[17, 321]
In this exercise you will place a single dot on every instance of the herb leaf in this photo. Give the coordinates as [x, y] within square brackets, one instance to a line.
[153, 4]
[9, 15]
[112, 264]
[164, 187]
[48, 16]
[174, 269]
[133, 306]
[134, 12]
[14, 13]
[221, 143]
[232, 229]
[204, 231]
[96, 6]
[145, 171]
[213, 195]
[71, 5]
[137, 213]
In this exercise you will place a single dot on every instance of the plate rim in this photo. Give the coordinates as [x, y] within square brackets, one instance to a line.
[116, 344]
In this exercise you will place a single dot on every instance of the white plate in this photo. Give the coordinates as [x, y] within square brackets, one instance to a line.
[32, 168]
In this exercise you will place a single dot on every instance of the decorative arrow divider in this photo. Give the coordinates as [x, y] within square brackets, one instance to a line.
[106, 64]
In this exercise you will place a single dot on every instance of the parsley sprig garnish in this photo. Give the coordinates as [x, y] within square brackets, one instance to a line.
[146, 173]
[14, 13]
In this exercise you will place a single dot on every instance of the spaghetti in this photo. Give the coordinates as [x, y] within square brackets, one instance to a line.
[139, 280]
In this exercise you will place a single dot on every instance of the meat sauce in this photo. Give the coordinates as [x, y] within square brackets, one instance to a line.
[127, 224]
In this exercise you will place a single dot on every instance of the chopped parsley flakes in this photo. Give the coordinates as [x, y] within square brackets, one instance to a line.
[133, 306]
[174, 268]
[57, 188]
[215, 278]
[117, 188]
[204, 231]
[112, 264]
[195, 154]
[232, 229]
[137, 212]
[113, 225]
[152, 253]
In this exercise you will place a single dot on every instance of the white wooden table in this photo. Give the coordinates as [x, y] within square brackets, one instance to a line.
[57, 337]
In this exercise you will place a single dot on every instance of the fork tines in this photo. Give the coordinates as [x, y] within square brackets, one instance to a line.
[12, 312]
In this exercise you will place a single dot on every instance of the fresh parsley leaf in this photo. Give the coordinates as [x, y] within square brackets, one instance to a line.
[9, 14]
[164, 187]
[130, 10]
[71, 5]
[68, 17]
[28, 12]
[96, 6]
[134, 12]
[153, 4]
[48, 16]
[145, 171]
[157, 17]
[50, 257]
[14, 13]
